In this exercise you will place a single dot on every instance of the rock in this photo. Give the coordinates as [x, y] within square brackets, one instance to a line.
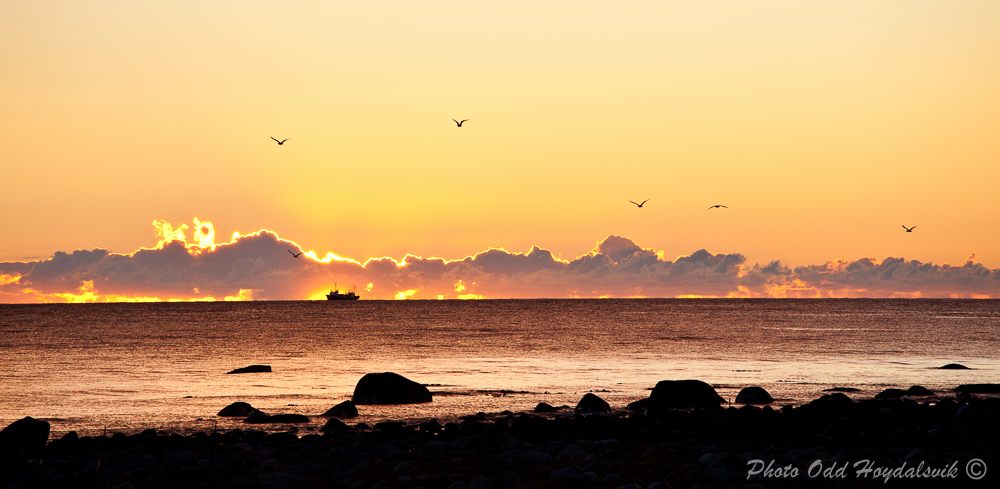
[659, 485]
[24, 434]
[346, 409]
[835, 399]
[593, 403]
[754, 395]
[251, 369]
[890, 394]
[543, 407]
[979, 388]
[389, 388]
[684, 393]
[334, 425]
[480, 482]
[954, 366]
[260, 417]
[842, 389]
[638, 406]
[237, 409]
[917, 390]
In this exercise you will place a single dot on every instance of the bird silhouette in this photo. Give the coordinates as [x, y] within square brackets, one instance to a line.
[909, 230]
[717, 205]
[460, 122]
[638, 204]
[280, 142]
[296, 255]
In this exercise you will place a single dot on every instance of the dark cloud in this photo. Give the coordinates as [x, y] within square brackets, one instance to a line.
[617, 267]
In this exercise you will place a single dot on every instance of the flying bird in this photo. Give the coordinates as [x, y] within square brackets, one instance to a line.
[717, 205]
[638, 204]
[909, 230]
[280, 142]
[460, 122]
[296, 255]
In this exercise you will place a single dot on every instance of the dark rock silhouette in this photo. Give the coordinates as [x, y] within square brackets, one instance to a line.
[891, 394]
[917, 390]
[544, 407]
[592, 403]
[954, 366]
[684, 393]
[979, 388]
[346, 409]
[389, 388]
[754, 395]
[237, 409]
[251, 369]
[260, 417]
[334, 425]
[24, 434]
[842, 389]
[638, 406]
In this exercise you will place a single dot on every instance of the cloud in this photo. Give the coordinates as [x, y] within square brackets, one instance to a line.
[258, 266]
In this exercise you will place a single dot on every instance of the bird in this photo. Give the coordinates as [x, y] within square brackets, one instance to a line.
[638, 204]
[460, 122]
[280, 142]
[296, 255]
[717, 205]
[909, 230]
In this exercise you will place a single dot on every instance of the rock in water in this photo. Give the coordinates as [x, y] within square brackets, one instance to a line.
[684, 393]
[389, 388]
[544, 407]
[241, 409]
[334, 425]
[891, 394]
[754, 395]
[593, 403]
[346, 409]
[251, 369]
[919, 391]
[260, 417]
[979, 388]
[24, 434]
[954, 366]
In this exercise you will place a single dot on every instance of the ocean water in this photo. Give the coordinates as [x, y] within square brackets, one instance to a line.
[129, 367]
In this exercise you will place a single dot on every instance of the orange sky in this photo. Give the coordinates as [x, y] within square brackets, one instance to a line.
[824, 126]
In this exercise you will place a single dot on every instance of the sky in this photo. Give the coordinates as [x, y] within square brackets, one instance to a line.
[825, 127]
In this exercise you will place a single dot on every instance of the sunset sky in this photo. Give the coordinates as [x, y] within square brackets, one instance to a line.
[824, 126]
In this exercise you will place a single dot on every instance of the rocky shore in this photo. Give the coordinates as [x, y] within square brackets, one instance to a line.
[648, 445]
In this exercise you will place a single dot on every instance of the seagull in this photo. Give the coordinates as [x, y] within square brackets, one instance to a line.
[638, 204]
[460, 122]
[296, 255]
[280, 142]
[717, 205]
[909, 230]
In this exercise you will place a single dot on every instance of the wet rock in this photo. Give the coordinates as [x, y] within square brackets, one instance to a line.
[241, 409]
[684, 393]
[389, 388]
[334, 425]
[544, 407]
[260, 417]
[346, 409]
[24, 434]
[917, 390]
[638, 406]
[754, 395]
[250, 369]
[592, 403]
[890, 394]
[954, 366]
[979, 388]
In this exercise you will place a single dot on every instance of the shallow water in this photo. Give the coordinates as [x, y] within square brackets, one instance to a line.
[128, 367]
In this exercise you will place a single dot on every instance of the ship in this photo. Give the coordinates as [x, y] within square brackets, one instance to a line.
[335, 295]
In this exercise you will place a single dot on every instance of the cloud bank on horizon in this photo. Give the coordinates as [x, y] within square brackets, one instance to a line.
[258, 266]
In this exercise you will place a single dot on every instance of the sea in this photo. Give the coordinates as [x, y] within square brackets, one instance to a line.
[116, 367]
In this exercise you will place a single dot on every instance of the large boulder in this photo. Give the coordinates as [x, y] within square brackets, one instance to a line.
[240, 409]
[684, 393]
[754, 395]
[24, 434]
[544, 407]
[250, 369]
[954, 366]
[917, 390]
[890, 394]
[592, 403]
[334, 425]
[346, 409]
[389, 388]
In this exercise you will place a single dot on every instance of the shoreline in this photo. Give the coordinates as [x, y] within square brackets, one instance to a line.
[708, 447]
